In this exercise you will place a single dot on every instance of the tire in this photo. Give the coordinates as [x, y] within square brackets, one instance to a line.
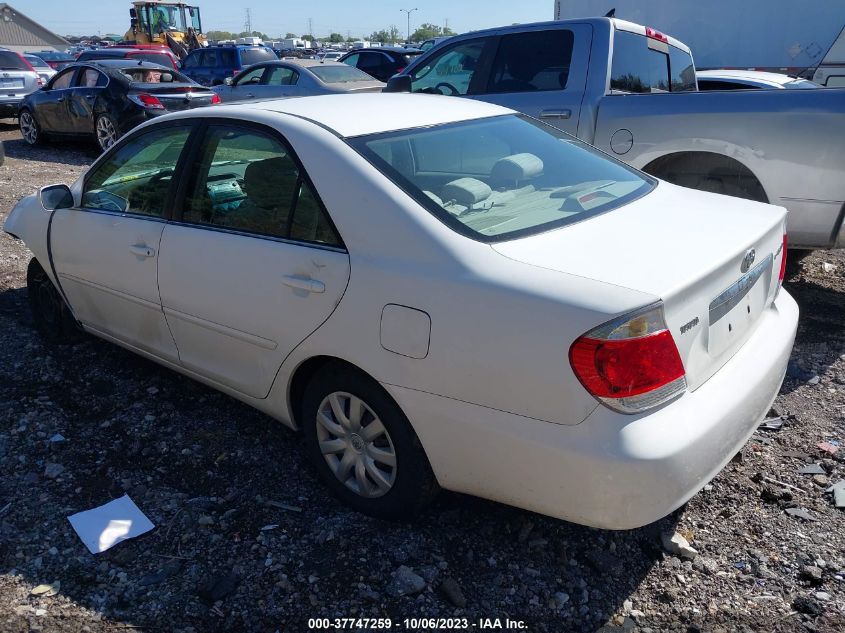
[52, 318]
[394, 492]
[30, 130]
[105, 130]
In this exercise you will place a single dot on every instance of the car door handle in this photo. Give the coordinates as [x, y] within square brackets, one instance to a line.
[90, 97]
[304, 283]
[250, 95]
[60, 99]
[555, 114]
[142, 250]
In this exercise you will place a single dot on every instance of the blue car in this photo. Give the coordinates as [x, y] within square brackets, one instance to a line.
[211, 66]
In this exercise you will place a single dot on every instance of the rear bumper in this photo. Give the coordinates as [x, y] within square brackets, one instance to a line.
[611, 471]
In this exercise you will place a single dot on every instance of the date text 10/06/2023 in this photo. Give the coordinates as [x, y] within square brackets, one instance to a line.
[417, 624]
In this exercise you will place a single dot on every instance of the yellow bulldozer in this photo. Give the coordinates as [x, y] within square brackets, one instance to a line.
[160, 23]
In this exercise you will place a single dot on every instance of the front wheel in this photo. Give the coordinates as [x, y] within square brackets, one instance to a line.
[363, 445]
[52, 317]
[106, 129]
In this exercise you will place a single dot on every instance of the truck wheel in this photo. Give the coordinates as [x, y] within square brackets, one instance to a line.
[363, 446]
[52, 317]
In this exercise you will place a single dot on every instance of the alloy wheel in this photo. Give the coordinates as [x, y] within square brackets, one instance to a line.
[29, 129]
[355, 444]
[106, 133]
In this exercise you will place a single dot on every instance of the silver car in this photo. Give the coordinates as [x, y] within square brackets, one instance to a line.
[44, 70]
[17, 79]
[295, 78]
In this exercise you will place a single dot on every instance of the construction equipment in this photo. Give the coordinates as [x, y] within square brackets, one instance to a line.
[159, 22]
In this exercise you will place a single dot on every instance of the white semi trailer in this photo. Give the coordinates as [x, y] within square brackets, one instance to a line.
[794, 37]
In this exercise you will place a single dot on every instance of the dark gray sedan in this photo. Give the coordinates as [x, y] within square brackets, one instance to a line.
[296, 78]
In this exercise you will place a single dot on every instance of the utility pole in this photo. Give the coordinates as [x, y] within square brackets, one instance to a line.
[311, 29]
[446, 26]
[409, 12]
[248, 21]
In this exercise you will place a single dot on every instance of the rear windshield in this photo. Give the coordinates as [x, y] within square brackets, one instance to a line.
[59, 57]
[503, 177]
[644, 65]
[36, 62]
[340, 74]
[12, 61]
[156, 58]
[250, 56]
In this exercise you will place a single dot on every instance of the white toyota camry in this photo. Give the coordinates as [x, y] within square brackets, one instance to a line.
[438, 292]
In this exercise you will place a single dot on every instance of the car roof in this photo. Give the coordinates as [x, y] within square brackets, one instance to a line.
[371, 113]
[111, 64]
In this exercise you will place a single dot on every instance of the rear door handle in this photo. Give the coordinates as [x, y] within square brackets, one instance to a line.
[142, 250]
[304, 283]
[555, 114]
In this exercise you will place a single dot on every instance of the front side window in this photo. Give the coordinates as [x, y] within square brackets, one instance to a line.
[532, 61]
[450, 72]
[503, 177]
[248, 181]
[252, 76]
[136, 177]
[62, 80]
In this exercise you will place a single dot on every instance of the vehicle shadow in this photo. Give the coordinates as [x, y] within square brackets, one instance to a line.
[232, 496]
[70, 152]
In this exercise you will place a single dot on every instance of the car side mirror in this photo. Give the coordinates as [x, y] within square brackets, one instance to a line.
[55, 197]
[398, 83]
[228, 81]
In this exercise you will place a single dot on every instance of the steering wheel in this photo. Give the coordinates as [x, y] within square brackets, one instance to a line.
[454, 91]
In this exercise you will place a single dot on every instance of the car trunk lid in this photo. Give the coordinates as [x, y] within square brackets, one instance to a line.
[688, 248]
[175, 96]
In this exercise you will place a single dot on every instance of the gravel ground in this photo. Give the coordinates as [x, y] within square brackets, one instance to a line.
[211, 473]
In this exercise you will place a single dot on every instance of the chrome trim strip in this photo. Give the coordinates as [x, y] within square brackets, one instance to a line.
[246, 337]
[731, 297]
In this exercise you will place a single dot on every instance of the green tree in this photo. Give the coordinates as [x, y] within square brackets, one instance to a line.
[219, 35]
[290, 35]
[335, 38]
[429, 31]
[305, 37]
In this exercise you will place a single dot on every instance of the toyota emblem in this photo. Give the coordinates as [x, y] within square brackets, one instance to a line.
[747, 260]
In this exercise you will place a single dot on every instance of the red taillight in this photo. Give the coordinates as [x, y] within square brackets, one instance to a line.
[630, 364]
[215, 98]
[783, 261]
[399, 70]
[235, 72]
[655, 35]
[147, 101]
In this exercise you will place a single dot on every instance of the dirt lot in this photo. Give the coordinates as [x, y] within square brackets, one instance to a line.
[211, 473]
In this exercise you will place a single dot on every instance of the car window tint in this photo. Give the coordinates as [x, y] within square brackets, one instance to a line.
[227, 58]
[248, 181]
[371, 60]
[136, 177]
[449, 72]
[90, 78]
[711, 84]
[209, 58]
[280, 76]
[62, 80]
[636, 67]
[155, 58]
[352, 60]
[533, 61]
[192, 60]
[253, 76]
[682, 69]
[12, 61]
[251, 56]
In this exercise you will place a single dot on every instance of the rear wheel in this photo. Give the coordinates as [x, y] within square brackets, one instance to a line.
[52, 317]
[30, 129]
[363, 445]
[106, 129]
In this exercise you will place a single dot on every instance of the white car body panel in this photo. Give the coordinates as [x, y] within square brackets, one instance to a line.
[491, 393]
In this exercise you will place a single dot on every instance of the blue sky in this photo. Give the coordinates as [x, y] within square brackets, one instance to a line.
[77, 17]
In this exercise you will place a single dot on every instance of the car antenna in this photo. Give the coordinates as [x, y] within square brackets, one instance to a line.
[611, 13]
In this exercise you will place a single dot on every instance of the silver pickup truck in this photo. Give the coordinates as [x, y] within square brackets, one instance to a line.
[631, 91]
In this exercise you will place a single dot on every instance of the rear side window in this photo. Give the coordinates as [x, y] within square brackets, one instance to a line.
[192, 61]
[12, 61]
[637, 67]
[533, 61]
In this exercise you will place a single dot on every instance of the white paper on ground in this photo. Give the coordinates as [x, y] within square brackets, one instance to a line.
[107, 525]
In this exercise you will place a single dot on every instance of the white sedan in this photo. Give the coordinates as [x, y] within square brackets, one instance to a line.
[437, 292]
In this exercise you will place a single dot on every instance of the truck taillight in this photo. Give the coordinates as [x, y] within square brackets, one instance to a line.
[655, 35]
[630, 364]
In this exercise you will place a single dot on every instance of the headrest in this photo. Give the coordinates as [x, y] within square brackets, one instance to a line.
[466, 191]
[262, 179]
[517, 167]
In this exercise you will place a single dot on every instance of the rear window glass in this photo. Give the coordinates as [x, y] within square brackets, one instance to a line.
[639, 68]
[12, 61]
[36, 62]
[155, 58]
[251, 56]
[533, 61]
[503, 177]
[339, 74]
